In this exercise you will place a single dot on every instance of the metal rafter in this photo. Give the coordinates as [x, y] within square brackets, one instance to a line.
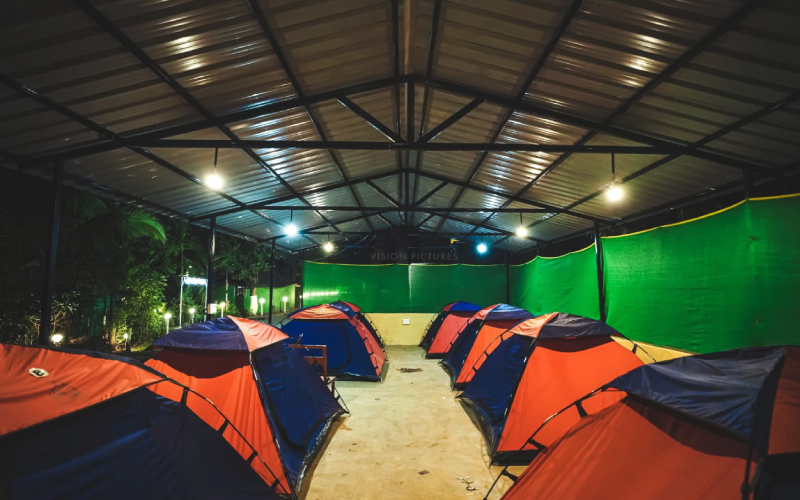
[278, 51]
[348, 208]
[537, 67]
[646, 89]
[396, 88]
[104, 132]
[451, 120]
[430, 194]
[367, 117]
[437, 10]
[153, 66]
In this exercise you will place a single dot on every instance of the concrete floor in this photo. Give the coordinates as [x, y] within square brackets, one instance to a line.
[406, 438]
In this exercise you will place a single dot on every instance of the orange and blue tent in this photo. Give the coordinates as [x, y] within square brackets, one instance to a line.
[533, 370]
[360, 315]
[443, 329]
[723, 425]
[489, 321]
[268, 390]
[353, 351]
[79, 424]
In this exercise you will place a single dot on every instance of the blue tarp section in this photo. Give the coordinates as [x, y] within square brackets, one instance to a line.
[300, 408]
[139, 446]
[464, 306]
[491, 388]
[569, 325]
[347, 353]
[733, 390]
[220, 334]
[454, 359]
[344, 307]
[503, 312]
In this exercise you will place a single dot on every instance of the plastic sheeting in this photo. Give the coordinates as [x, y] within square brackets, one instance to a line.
[567, 284]
[402, 288]
[723, 281]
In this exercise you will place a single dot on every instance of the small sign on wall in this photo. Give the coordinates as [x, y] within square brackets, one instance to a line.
[406, 321]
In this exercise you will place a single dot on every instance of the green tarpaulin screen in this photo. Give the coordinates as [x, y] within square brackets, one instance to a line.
[563, 284]
[723, 281]
[401, 287]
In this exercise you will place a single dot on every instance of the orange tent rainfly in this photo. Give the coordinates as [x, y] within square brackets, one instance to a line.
[531, 371]
[724, 426]
[77, 424]
[354, 351]
[444, 328]
[268, 390]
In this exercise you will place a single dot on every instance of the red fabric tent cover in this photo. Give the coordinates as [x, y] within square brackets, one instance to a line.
[74, 381]
[320, 312]
[784, 436]
[226, 378]
[559, 372]
[448, 330]
[632, 451]
[257, 334]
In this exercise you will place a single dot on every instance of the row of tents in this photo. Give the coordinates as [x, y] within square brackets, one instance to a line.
[225, 409]
[557, 392]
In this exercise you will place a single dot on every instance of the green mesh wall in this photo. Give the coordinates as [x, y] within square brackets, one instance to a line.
[728, 280]
[382, 288]
[562, 284]
[433, 286]
[403, 288]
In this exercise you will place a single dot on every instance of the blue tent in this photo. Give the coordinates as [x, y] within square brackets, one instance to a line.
[276, 398]
[89, 427]
[499, 318]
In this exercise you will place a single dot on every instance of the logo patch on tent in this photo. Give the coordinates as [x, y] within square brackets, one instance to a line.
[38, 372]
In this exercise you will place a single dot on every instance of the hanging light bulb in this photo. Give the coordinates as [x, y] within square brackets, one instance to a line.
[522, 231]
[328, 246]
[291, 229]
[614, 192]
[214, 181]
[481, 248]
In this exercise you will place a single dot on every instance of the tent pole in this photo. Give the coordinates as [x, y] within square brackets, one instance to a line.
[271, 280]
[212, 233]
[46, 319]
[601, 289]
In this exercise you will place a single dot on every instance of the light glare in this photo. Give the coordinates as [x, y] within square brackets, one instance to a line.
[56, 338]
[522, 232]
[614, 193]
[291, 229]
[328, 247]
[481, 248]
[214, 181]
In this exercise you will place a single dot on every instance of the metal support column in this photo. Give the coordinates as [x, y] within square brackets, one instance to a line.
[212, 237]
[598, 249]
[46, 320]
[271, 280]
[508, 278]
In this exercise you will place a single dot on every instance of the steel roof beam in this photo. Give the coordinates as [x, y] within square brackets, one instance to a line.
[482, 189]
[430, 193]
[437, 9]
[537, 67]
[534, 109]
[371, 120]
[461, 113]
[349, 208]
[278, 51]
[402, 146]
[290, 197]
[140, 54]
[245, 114]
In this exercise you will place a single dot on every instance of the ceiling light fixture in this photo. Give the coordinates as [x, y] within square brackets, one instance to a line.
[614, 192]
[522, 231]
[214, 181]
[291, 229]
[481, 248]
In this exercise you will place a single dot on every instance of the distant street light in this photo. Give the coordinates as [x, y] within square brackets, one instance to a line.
[167, 317]
[57, 338]
[285, 302]
[192, 310]
[261, 301]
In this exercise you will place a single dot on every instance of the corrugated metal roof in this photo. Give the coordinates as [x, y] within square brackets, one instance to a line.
[617, 71]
